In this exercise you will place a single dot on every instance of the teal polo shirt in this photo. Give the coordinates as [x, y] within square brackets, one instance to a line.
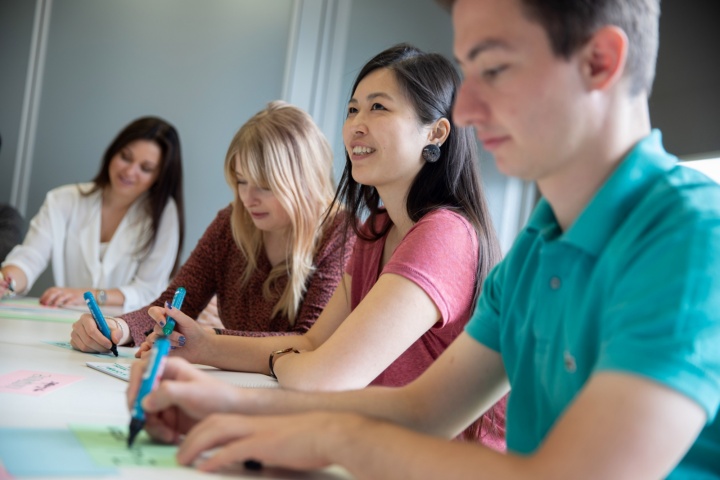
[632, 286]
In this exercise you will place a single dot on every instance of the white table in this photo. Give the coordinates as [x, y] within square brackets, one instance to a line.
[97, 399]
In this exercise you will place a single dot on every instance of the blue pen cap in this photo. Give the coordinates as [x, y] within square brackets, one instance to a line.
[97, 314]
[177, 302]
[179, 297]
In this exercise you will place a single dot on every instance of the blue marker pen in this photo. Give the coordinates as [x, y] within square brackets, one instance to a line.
[99, 319]
[152, 374]
[176, 303]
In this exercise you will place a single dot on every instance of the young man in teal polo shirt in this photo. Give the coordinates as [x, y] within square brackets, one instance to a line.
[604, 318]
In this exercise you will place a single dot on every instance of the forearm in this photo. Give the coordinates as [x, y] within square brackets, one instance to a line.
[370, 449]
[312, 372]
[246, 354]
[395, 405]
[114, 297]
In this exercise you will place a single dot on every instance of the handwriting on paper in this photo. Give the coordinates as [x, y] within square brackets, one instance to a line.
[27, 382]
[107, 445]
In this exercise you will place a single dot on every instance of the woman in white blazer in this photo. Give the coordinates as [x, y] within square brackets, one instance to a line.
[119, 235]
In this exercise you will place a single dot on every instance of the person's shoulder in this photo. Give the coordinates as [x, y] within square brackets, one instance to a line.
[440, 230]
[445, 220]
[72, 194]
[224, 215]
[337, 230]
[8, 212]
[170, 209]
[694, 190]
[684, 195]
[444, 215]
[71, 190]
[221, 226]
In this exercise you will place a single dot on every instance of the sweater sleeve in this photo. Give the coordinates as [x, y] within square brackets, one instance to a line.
[196, 275]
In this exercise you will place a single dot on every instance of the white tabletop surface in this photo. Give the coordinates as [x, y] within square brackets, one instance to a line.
[96, 399]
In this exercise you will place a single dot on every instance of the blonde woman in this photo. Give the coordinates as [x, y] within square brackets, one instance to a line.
[272, 257]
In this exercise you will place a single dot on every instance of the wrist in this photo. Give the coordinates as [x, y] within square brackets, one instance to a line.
[124, 328]
[339, 442]
[274, 356]
[101, 297]
[11, 284]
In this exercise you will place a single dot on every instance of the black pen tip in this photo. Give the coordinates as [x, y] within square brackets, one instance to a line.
[135, 427]
[114, 349]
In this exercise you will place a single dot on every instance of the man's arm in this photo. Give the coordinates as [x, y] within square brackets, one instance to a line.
[620, 427]
[463, 383]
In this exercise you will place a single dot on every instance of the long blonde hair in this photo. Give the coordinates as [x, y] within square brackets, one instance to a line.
[282, 149]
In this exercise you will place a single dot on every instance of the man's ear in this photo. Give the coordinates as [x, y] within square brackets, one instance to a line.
[603, 57]
[439, 132]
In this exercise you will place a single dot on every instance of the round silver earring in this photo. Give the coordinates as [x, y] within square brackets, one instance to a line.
[431, 153]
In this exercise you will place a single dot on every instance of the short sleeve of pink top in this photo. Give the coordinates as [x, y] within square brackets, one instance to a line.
[440, 255]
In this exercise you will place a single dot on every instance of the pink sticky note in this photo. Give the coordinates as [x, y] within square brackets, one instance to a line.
[27, 382]
[4, 475]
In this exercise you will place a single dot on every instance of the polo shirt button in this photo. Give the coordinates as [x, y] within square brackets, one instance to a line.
[555, 283]
[569, 361]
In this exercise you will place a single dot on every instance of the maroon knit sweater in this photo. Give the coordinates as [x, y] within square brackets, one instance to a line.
[215, 267]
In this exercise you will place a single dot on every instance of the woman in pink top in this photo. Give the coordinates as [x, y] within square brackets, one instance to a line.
[420, 258]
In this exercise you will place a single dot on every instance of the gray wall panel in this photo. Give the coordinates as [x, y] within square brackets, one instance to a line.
[16, 21]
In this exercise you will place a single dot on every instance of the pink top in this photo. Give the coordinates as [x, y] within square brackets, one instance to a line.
[440, 255]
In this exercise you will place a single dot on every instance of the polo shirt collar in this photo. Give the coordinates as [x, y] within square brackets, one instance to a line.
[613, 201]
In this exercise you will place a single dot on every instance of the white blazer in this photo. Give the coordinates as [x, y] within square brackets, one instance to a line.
[66, 230]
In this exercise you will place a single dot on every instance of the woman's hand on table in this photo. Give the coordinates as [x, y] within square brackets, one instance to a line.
[59, 296]
[87, 337]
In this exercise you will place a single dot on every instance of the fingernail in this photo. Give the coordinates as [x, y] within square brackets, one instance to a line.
[181, 340]
[162, 323]
[168, 306]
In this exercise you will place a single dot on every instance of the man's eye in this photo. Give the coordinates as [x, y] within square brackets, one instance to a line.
[492, 73]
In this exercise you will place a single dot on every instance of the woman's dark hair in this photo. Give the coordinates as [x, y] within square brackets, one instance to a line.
[169, 180]
[430, 82]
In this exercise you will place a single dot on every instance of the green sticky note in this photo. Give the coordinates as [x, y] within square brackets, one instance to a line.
[107, 446]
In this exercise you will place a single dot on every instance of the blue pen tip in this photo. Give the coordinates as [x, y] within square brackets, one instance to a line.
[135, 427]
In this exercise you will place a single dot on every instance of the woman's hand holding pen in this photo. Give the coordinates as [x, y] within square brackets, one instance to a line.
[189, 340]
[181, 398]
[5, 282]
[12, 280]
[86, 336]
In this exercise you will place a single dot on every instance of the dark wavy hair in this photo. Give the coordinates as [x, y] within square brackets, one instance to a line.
[169, 181]
[430, 82]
